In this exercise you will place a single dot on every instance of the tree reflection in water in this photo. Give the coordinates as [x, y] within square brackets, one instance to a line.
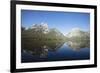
[41, 48]
[77, 46]
[53, 51]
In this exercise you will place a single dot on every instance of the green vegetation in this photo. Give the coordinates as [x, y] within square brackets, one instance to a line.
[37, 42]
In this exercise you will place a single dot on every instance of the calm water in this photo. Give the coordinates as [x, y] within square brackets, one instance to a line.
[54, 52]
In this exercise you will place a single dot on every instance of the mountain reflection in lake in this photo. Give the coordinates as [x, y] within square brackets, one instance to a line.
[53, 51]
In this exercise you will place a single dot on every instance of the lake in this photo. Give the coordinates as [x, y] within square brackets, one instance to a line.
[54, 51]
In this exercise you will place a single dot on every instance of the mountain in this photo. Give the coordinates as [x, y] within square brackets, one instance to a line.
[77, 33]
[43, 28]
[42, 31]
[55, 34]
[78, 38]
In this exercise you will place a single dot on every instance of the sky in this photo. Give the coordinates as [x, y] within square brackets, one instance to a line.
[63, 21]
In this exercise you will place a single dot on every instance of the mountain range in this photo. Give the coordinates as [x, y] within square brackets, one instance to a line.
[42, 31]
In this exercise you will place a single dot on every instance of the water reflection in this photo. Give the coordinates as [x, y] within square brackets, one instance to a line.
[53, 50]
[41, 48]
[77, 46]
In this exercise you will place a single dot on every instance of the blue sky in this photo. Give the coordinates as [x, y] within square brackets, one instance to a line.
[63, 21]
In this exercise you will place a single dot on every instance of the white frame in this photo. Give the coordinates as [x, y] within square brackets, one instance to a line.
[57, 63]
